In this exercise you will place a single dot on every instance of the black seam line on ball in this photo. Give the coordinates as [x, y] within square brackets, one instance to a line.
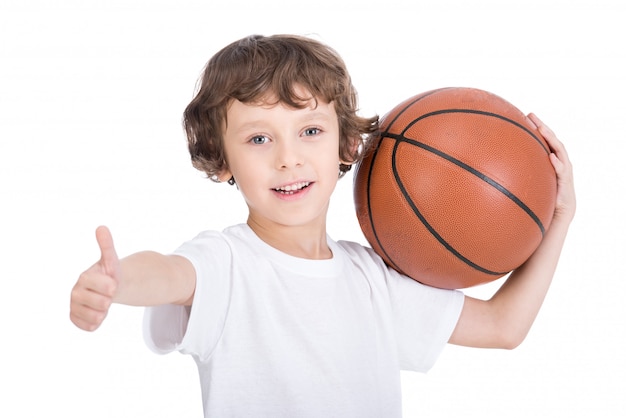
[477, 112]
[417, 99]
[428, 226]
[483, 177]
[369, 209]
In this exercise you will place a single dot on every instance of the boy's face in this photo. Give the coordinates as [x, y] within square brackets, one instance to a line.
[285, 161]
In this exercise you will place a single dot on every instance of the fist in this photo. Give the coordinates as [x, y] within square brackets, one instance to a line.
[93, 293]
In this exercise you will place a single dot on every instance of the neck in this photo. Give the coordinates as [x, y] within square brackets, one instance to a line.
[306, 241]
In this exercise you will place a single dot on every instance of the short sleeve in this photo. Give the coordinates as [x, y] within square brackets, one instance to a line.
[195, 330]
[424, 317]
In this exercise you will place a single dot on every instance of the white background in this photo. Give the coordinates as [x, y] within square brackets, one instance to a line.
[91, 97]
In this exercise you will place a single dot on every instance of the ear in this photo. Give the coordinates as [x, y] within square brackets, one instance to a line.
[224, 175]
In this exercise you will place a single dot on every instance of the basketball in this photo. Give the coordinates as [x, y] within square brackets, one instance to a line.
[458, 190]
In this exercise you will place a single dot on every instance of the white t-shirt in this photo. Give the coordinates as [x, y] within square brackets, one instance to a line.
[280, 336]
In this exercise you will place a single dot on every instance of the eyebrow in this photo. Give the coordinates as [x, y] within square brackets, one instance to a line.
[316, 114]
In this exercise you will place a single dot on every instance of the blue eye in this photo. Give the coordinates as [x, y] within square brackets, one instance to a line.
[311, 131]
[259, 140]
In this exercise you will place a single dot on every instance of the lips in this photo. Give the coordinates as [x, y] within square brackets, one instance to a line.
[292, 188]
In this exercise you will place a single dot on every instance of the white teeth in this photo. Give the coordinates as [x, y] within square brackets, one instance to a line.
[293, 187]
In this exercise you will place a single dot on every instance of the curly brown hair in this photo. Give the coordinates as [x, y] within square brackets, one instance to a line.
[255, 67]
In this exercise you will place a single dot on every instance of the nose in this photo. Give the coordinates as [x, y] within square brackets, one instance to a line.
[288, 154]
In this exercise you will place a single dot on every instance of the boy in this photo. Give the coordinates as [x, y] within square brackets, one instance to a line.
[280, 319]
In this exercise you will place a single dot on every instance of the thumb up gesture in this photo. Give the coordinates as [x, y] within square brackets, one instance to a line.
[93, 293]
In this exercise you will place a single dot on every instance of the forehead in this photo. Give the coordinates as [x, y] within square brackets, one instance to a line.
[249, 115]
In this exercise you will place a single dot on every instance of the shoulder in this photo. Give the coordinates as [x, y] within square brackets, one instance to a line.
[363, 257]
[212, 238]
[367, 260]
[356, 250]
[210, 248]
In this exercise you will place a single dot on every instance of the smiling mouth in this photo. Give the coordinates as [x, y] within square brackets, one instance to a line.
[292, 188]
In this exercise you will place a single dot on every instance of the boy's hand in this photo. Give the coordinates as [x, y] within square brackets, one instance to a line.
[566, 197]
[93, 293]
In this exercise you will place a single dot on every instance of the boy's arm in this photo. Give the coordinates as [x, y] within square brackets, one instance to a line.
[505, 319]
[142, 279]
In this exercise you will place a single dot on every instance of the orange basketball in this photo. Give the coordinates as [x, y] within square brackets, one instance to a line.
[458, 191]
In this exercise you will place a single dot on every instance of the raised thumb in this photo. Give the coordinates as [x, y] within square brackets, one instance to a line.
[108, 256]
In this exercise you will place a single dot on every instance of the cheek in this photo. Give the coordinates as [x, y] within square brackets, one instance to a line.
[329, 167]
[333, 154]
[246, 176]
[242, 164]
